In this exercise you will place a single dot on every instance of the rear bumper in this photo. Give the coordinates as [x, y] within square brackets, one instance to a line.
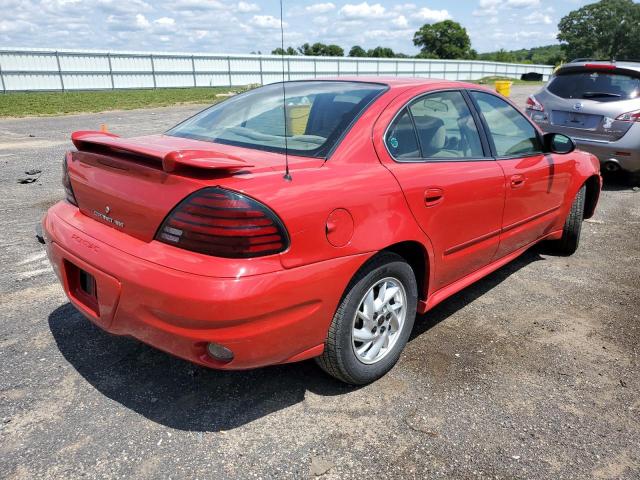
[263, 319]
[625, 152]
[618, 153]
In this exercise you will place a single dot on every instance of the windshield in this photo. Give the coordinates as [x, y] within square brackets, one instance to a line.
[599, 86]
[317, 114]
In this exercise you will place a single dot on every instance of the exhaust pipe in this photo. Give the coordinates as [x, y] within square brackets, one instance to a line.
[611, 166]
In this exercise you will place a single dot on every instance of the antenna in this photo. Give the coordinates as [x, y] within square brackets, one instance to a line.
[287, 175]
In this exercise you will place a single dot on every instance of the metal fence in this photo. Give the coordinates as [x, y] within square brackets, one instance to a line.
[46, 69]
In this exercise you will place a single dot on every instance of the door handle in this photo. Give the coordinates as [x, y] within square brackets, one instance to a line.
[517, 181]
[433, 196]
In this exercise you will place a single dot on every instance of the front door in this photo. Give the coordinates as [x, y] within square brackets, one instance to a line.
[455, 189]
[535, 181]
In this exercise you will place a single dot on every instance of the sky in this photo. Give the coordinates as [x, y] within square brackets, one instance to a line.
[215, 26]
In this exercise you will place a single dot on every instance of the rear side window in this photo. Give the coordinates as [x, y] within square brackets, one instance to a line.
[446, 129]
[401, 138]
[599, 86]
[511, 133]
[309, 122]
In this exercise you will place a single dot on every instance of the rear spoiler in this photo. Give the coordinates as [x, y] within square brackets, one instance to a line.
[597, 67]
[87, 141]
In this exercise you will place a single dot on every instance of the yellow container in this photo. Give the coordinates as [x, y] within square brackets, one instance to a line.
[297, 118]
[503, 87]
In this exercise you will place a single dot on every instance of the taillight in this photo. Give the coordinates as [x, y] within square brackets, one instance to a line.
[223, 223]
[630, 116]
[534, 104]
[66, 181]
[600, 66]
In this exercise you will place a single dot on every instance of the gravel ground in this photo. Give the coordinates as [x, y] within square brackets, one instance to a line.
[530, 373]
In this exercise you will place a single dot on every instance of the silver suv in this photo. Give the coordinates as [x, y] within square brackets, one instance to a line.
[597, 103]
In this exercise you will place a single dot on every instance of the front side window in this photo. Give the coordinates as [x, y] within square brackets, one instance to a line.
[446, 129]
[310, 121]
[512, 134]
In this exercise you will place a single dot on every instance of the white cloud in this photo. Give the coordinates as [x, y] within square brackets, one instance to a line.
[404, 7]
[495, 4]
[522, 3]
[142, 22]
[16, 26]
[400, 21]
[245, 7]
[199, 4]
[167, 21]
[320, 7]
[117, 7]
[491, 8]
[386, 34]
[537, 18]
[127, 23]
[362, 10]
[164, 25]
[428, 15]
[266, 21]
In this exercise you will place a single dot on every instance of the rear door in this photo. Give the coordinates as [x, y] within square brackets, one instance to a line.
[434, 147]
[535, 181]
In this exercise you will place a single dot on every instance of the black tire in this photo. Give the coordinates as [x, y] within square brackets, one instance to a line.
[339, 359]
[570, 240]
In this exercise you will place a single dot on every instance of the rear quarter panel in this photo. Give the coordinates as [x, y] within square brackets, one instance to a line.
[352, 179]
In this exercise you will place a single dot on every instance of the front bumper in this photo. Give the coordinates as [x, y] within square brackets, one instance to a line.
[264, 319]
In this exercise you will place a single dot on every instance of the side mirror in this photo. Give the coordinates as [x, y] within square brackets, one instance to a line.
[558, 143]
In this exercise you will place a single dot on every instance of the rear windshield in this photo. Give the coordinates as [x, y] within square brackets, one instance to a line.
[599, 86]
[316, 116]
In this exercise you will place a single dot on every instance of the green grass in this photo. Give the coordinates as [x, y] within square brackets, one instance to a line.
[516, 81]
[58, 103]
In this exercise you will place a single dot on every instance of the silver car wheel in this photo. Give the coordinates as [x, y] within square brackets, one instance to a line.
[379, 320]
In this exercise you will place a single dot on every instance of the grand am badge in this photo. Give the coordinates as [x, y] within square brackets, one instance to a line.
[106, 218]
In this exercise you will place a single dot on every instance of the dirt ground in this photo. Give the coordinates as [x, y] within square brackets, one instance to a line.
[531, 373]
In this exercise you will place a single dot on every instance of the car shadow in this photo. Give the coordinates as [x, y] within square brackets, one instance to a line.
[177, 393]
[451, 305]
[184, 396]
[619, 181]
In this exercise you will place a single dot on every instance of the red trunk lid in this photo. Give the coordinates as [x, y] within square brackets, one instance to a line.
[132, 184]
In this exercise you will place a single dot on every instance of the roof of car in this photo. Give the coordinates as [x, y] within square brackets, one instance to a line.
[397, 82]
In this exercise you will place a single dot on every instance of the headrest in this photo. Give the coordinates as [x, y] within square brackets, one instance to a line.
[432, 133]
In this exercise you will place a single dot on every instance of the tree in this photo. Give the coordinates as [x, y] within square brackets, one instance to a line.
[334, 51]
[609, 29]
[447, 39]
[547, 55]
[381, 52]
[288, 51]
[357, 51]
[321, 50]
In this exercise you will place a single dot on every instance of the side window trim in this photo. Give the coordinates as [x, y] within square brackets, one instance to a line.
[485, 138]
[415, 130]
[487, 132]
[488, 155]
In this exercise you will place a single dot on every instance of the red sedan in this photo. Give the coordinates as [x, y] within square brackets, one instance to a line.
[399, 193]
